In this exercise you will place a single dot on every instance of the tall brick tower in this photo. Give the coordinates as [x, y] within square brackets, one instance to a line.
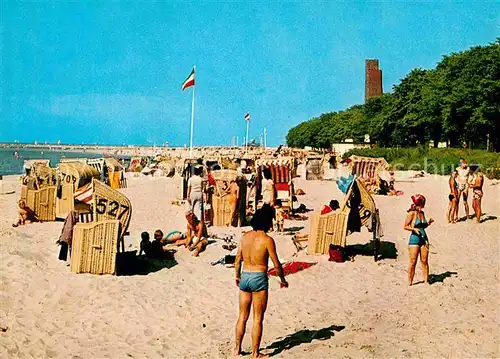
[373, 80]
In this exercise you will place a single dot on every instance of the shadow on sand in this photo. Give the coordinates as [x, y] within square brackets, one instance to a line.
[488, 218]
[386, 250]
[129, 263]
[301, 337]
[434, 278]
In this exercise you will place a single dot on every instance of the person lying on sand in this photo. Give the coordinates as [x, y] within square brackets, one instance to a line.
[255, 249]
[26, 215]
[197, 234]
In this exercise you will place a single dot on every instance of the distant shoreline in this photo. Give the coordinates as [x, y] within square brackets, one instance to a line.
[112, 150]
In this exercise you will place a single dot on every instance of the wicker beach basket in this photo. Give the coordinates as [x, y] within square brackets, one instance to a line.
[326, 229]
[77, 173]
[110, 204]
[42, 201]
[94, 247]
[221, 210]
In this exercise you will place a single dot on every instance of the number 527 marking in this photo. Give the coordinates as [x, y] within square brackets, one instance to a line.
[112, 209]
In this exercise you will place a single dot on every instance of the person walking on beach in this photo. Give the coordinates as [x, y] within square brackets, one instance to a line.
[452, 212]
[418, 243]
[463, 185]
[254, 250]
[195, 192]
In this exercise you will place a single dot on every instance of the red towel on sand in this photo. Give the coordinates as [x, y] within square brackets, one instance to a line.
[291, 268]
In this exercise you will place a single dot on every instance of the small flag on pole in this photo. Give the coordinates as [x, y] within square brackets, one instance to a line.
[189, 81]
[247, 116]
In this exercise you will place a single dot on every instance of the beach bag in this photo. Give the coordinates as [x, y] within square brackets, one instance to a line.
[337, 254]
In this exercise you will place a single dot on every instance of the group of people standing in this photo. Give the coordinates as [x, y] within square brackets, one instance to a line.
[462, 180]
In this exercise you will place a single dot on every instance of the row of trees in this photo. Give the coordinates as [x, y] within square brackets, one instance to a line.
[457, 102]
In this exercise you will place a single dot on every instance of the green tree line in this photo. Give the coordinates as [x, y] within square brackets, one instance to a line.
[457, 102]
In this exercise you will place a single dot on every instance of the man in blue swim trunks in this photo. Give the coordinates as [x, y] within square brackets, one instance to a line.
[255, 249]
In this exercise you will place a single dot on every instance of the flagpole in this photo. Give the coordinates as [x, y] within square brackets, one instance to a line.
[246, 138]
[192, 120]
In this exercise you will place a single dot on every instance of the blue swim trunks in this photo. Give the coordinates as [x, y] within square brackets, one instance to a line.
[254, 281]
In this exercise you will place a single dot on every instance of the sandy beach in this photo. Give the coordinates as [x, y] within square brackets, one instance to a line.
[356, 309]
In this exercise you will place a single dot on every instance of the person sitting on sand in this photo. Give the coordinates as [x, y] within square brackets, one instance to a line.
[26, 214]
[392, 181]
[255, 249]
[155, 249]
[145, 246]
[452, 212]
[418, 243]
[197, 234]
[476, 181]
[332, 207]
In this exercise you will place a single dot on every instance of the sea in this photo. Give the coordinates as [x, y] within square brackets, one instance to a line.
[10, 164]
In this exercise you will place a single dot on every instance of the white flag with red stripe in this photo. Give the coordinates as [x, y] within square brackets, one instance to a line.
[189, 81]
[247, 116]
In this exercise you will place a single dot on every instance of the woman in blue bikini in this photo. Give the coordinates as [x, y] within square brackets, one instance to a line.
[418, 243]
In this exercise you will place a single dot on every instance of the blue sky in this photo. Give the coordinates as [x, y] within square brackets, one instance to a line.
[111, 72]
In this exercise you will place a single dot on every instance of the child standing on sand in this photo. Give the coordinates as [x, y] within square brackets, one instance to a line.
[280, 219]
